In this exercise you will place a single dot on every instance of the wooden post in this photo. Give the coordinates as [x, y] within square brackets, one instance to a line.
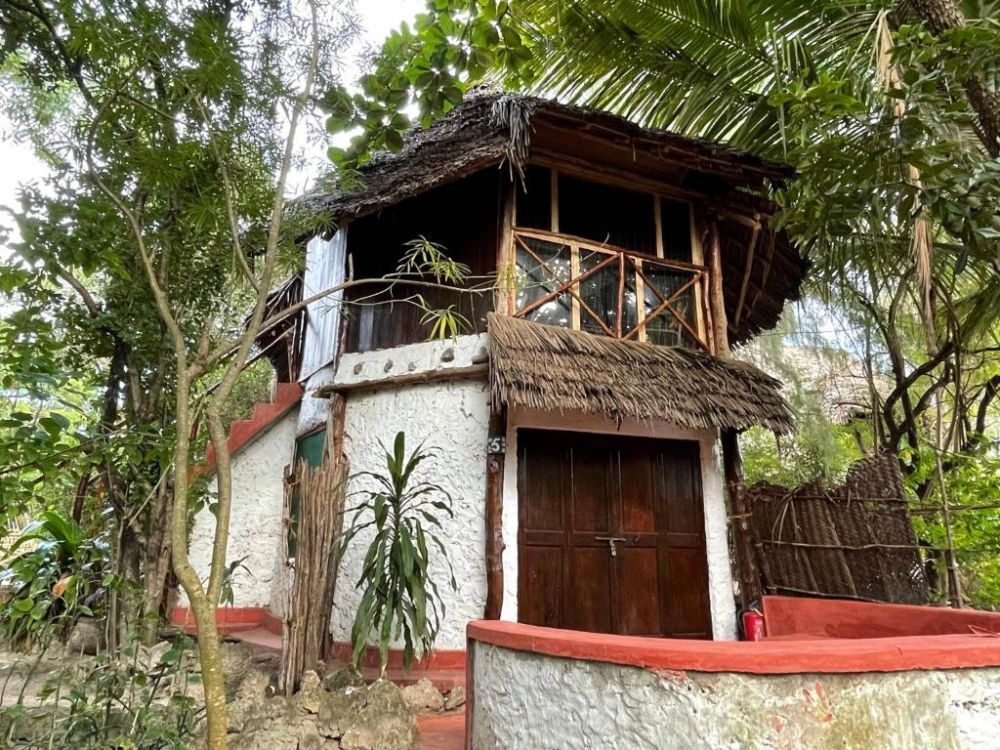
[495, 453]
[732, 462]
[506, 291]
[716, 293]
[746, 566]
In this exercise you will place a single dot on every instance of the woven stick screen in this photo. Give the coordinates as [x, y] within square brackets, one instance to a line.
[854, 541]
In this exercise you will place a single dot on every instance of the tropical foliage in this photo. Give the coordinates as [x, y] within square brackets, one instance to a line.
[54, 573]
[399, 595]
[131, 698]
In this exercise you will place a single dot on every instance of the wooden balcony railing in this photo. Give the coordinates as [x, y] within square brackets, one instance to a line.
[574, 283]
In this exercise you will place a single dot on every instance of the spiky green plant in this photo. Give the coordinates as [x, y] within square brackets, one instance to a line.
[400, 598]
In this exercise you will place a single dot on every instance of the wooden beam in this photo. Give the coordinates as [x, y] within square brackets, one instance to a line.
[746, 566]
[658, 224]
[469, 372]
[506, 289]
[716, 293]
[554, 200]
[746, 275]
[700, 296]
[495, 459]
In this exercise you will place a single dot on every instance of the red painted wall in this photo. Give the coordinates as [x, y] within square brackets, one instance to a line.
[801, 618]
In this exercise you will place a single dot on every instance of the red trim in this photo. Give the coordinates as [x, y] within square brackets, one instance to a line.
[265, 415]
[764, 657]
[801, 617]
[239, 619]
[438, 660]
[272, 623]
[227, 619]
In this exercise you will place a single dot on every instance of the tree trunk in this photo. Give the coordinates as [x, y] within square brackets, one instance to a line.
[156, 565]
[943, 15]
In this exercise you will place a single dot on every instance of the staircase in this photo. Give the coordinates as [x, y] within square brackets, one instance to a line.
[244, 431]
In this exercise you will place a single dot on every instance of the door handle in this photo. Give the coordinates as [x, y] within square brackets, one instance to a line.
[611, 540]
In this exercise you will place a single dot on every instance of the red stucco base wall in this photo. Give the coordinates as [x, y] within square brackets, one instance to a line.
[802, 618]
[236, 620]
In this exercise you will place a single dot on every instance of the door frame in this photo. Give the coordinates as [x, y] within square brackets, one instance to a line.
[720, 580]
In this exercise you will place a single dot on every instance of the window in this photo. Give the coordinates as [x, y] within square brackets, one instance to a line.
[606, 214]
[606, 260]
[574, 284]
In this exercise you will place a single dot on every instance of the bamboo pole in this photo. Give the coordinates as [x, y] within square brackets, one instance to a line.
[321, 492]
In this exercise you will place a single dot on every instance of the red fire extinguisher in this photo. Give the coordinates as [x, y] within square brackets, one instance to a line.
[753, 625]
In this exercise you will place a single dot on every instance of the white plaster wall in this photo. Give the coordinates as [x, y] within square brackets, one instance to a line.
[312, 410]
[452, 416]
[716, 530]
[255, 527]
[534, 702]
[412, 359]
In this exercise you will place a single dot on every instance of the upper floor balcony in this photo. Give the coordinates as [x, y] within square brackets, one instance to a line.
[575, 283]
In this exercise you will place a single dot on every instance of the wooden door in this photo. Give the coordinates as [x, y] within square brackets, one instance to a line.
[611, 535]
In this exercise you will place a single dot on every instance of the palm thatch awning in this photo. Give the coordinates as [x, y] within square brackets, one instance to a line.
[536, 366]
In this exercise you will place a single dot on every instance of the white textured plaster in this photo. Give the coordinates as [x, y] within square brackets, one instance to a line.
[453, 417]
[313, 411]
[255, 526]
[526, 701]
[720, 580]
[412, 359]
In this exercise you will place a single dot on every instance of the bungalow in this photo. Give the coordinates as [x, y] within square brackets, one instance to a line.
[586, 420]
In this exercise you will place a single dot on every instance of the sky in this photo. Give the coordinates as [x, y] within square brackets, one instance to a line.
[18, 165]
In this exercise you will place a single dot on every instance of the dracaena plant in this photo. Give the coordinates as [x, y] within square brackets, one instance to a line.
[400, 598]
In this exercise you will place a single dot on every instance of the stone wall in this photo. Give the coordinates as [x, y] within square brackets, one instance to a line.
[533, 701]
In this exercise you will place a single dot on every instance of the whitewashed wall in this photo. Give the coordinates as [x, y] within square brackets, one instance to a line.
[716, 535]
[255, 526]
[452, 416]
[526, 701]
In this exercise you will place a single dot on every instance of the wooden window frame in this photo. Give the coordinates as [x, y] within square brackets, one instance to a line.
[628, 263]
[657, 256]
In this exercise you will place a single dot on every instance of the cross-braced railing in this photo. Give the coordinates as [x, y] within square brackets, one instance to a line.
[573, 283]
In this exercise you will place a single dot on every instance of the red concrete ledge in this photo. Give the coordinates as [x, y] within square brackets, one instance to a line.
[440, 660]
[233, 620]
[765, 657]
[800, 617]
[227, 619]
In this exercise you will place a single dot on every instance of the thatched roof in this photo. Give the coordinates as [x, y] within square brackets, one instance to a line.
[489, 128]
[536, 366]
[504, 131]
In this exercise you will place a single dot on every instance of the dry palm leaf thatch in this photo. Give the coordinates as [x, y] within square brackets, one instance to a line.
[535, 366]
[489, 128]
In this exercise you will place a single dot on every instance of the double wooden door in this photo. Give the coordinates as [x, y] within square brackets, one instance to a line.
[611, 535]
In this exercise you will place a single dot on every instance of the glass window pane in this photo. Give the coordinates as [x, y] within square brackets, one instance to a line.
[534, 198]
[675, 223]
[607, 214]
[542, 267]
[599, 291]
[665, 329]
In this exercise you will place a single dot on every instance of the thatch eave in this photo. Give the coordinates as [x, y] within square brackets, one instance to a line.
[472, 137]
[541, 367]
